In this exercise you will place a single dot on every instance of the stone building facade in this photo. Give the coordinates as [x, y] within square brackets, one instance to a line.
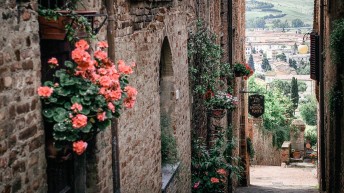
[154, 34]
[331, 115]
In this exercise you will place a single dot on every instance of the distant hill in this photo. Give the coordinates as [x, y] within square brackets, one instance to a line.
[284, 10]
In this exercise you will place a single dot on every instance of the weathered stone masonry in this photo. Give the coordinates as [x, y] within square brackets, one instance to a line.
[22, 158]
[141, 28]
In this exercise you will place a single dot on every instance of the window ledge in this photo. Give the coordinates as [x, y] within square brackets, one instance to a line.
[168, 173]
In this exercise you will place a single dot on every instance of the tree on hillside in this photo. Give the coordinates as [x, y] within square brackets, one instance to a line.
[294, 93]
[292, 63]
[282, 57]
[285, 86]
[251, 62]
[308, 111]
[297, 23]
[266, 65]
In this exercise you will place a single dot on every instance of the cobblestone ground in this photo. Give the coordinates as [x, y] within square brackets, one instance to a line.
[275, 179]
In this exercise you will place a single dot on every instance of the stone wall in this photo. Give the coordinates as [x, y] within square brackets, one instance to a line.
[331, 146]
[141, 29]
[22, 160]
[265, 152]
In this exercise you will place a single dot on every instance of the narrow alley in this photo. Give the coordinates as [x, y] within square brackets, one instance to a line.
[276, 179]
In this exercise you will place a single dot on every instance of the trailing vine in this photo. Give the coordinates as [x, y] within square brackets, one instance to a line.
[335, 100]
[336, 41]
[207, 71]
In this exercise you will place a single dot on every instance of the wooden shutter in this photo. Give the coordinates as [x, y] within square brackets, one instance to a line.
[314, 56]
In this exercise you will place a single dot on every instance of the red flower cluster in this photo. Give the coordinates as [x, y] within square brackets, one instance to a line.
[249, 69]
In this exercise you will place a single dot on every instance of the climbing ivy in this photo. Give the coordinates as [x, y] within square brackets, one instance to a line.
[336, 41]
[204, 54]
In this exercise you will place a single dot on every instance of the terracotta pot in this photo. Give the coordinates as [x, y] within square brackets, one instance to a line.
[55, 29]
[218, 113]
[296, 155]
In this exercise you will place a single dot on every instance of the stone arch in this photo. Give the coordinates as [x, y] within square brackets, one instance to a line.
[167, 98]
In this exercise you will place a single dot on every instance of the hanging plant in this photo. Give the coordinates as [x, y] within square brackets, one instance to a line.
[84, 96]
[207, 72]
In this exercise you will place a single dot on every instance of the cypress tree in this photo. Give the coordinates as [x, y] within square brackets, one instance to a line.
[294, 93]
[266, 65]
[251, 62]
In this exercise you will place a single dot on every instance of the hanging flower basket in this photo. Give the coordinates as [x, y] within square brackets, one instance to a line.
[218, 113]
[57, 29]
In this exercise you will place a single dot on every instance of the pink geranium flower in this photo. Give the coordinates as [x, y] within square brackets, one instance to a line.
[101, 116]
[79, 121]
[53, 61]
[45, 91]
[76, 107]
[79, 147]
[214, 180]
[111, 107]
[82, 44]
[103, 44]
[221, 171]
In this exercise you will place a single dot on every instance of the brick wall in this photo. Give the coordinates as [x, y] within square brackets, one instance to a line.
[265, 152]
[22, 160]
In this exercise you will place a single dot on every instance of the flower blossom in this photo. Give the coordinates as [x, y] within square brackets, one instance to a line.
[103, 44]
[82, 58]
[214, 180]
[53, 61]
[131, 91]
[105, 81]
[101, 116]
[82, 44]
[124, 69]
[111, 107]
[76, 107]
[79, 121]
[100, 55]
[196, 185]
[221, 171]
[79, 147]
[45, 91]
[129, 103]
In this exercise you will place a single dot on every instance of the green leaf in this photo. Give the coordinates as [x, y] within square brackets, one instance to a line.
[67, 105]
[85, 110]
[48, 83]
[85, 102]
[48, 113]
[104, 124]
[100, 100]
[87, 128]
[60, 114]
[60, 127]
[62, 91]
[72, 137]
[52, 99]
[60, 73]
[75, 99]
[66, 81]
[59, 136]
[69, 64]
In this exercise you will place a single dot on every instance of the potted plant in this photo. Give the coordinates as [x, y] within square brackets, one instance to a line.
[218, 102]
[67, 23]
[84, 96]
[242, 70]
